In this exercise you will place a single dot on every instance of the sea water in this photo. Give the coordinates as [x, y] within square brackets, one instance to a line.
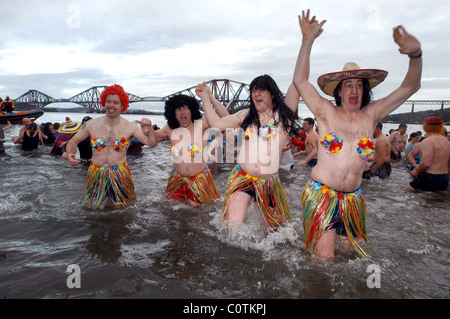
[160, 248]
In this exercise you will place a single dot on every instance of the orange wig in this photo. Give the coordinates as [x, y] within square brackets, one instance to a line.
[116, 89]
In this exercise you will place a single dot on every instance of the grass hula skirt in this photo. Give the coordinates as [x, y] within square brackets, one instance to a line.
[324, 207]
[269, 195]
[113, 182]
[200, 188]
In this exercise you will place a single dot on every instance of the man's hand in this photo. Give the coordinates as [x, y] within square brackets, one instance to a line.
[311, 28]
[146, 125]
[407, 43]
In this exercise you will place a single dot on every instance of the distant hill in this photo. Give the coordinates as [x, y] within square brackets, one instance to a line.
[417, 117]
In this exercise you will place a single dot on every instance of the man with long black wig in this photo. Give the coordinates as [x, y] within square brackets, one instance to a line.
[266, 126]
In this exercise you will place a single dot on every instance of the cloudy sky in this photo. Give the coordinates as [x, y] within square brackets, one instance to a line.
[158, 47]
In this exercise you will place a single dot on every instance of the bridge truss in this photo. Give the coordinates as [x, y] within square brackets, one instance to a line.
[234, 95]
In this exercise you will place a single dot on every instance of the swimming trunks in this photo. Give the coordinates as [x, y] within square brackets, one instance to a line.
[384, 171]
[267, 192]
[333, 143]
[324, 209]
[430, 182]
[200, 188]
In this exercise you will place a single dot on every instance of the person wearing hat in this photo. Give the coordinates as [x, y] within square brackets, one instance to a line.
[66, 132]
[398, 141]
[109, 176]
[432, 172]
[332, 202]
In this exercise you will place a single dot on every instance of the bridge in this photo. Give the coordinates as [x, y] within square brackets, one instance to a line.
[234, 95]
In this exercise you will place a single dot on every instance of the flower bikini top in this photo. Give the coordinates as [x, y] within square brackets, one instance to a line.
[333, 143]
[120, 144]
[267, 132]
[193, 149]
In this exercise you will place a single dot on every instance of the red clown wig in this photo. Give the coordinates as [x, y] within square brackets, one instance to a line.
[115, 89]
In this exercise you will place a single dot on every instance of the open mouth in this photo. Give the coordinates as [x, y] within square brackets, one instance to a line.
[353, 100]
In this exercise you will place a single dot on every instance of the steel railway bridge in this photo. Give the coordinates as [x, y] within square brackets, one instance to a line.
[234, 95]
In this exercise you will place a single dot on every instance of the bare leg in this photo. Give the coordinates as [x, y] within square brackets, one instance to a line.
[325, 246]
[237, 208]
[192, 203]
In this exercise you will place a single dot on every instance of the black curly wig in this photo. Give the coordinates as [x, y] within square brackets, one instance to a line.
[176, 102]
[286, 116]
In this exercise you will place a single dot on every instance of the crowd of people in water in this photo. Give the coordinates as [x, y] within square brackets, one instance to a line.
[343, 144]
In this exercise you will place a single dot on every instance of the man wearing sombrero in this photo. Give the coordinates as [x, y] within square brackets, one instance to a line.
[109, 175]
[332, 203]
[432, 172]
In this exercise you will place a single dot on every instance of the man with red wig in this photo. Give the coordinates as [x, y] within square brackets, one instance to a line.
[109, 175]
[432, 172]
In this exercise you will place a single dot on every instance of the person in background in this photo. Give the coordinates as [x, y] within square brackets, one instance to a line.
[31, 139]
[26, 126]
[49, 138]
[381, 163]
[2, 137]
[398, 142]
[311, 144]
[66, 132]
[432, 172]
[7, 105]
[414, 138]
[84, 147]
[299, 140]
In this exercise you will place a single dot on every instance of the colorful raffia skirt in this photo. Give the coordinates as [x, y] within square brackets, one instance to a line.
[200, 188]
[112, 182]
[325, 209]
[267, 192]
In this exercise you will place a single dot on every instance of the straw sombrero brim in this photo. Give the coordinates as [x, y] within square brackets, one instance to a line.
[70, 129]
[328, 82]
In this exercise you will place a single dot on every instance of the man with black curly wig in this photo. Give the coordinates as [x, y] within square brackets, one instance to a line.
[190, 180]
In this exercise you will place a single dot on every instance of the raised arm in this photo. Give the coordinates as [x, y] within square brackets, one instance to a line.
[292, 98]
[220, 108]
[213, 119]
[410, 46]
[311, 29]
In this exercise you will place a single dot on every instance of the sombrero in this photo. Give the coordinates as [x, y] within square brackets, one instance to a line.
[328, 82]
[70, 127]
